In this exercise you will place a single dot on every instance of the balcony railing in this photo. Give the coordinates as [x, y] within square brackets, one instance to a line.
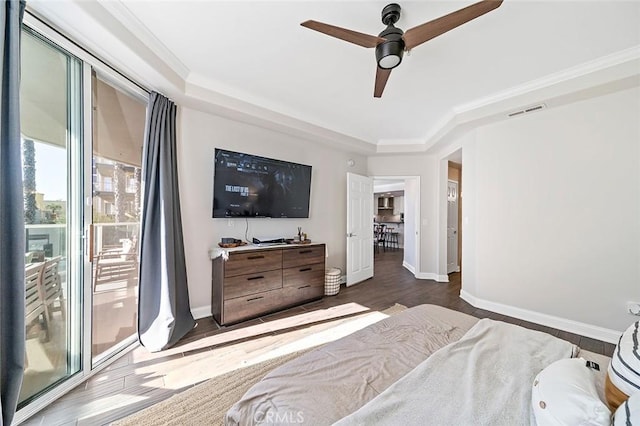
[50, 239]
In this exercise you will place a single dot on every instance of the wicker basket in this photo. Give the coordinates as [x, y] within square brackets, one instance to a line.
[332, 281]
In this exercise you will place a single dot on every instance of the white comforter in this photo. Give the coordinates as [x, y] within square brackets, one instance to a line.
[483, 379]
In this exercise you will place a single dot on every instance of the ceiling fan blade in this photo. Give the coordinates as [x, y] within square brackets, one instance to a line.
[382, 75]
[425, 32]
[361, 39]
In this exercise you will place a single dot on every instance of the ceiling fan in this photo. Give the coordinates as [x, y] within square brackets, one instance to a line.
[391, 43]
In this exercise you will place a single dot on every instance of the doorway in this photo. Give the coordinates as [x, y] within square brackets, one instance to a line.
[396, 214]
[452, 227]
[451, 220]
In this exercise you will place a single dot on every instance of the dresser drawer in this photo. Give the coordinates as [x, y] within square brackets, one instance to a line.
[242, 285]
[302, 256]
[252, 305]
[302, 293]
[303, 275]
[243, 263]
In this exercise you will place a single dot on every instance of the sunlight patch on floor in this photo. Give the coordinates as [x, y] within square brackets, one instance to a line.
[263, 348]
[226, 337]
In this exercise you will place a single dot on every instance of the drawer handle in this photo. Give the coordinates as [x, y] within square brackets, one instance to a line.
[259, 277]
[255, 298]
[255, 257]
[305, 269]
[304, 286]
[305, 251]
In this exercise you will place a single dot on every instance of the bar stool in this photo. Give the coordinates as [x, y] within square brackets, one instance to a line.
[392, 239]
[379, 237]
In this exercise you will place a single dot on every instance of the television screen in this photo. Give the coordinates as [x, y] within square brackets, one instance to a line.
[246, 185]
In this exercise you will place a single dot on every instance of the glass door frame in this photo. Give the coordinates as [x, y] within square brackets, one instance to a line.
[81, 171]
[119, 83]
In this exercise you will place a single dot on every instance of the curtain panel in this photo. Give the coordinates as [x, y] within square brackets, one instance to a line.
[164, 315]
[12, 244]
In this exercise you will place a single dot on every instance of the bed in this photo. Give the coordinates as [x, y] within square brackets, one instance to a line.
[426, 365]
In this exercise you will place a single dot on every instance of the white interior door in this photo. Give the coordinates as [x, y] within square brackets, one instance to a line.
[359, 228]
[452, 226]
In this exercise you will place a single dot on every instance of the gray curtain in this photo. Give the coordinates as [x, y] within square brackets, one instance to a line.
[12, 242]
[163, 305]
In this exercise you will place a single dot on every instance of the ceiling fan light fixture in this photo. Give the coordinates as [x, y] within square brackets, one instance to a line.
[389, 54]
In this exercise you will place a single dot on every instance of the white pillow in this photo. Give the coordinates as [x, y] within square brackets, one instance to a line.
[629, 412]
[624, 369]
[564, 393]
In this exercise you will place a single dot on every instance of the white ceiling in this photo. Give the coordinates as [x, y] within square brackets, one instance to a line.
[253, 56]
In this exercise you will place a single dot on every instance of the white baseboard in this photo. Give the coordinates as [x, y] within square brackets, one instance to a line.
[408, 267]
[201, 312]
[432, 276]
[583, 329]
[343, 279]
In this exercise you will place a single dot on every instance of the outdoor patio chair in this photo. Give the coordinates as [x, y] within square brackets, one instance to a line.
[116, 264]
[52, 288]
[34, 299]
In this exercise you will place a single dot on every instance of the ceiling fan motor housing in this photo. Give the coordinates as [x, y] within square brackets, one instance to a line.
[389, 53]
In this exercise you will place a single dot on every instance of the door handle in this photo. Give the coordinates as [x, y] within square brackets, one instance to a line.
[87, 238]
[351, 234]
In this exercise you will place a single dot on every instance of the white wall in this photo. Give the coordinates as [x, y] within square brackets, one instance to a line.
[551, 213]
[199, 134]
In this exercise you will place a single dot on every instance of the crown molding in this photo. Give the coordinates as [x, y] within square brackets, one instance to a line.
[198, 86]
[400, 142]
[619, 58]
[210, 101]
[118, 46]
[595, 78]
[123, 14]
[577, 80]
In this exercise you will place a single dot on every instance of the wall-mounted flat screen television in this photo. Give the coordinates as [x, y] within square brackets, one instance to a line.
[246, 185]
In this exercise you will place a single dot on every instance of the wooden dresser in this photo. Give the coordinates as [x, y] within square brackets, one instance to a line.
[255, 281]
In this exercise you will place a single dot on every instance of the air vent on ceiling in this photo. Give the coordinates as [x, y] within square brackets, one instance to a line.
[526, 110]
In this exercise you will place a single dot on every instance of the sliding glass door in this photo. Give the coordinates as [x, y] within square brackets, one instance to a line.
[118, 132]
[52, 184]
[82, 127]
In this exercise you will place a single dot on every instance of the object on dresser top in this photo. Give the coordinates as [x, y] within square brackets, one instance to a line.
[231, 242]
[268, 241]
[295, 241]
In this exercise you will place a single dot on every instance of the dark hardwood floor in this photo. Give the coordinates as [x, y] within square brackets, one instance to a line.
[140, 379]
